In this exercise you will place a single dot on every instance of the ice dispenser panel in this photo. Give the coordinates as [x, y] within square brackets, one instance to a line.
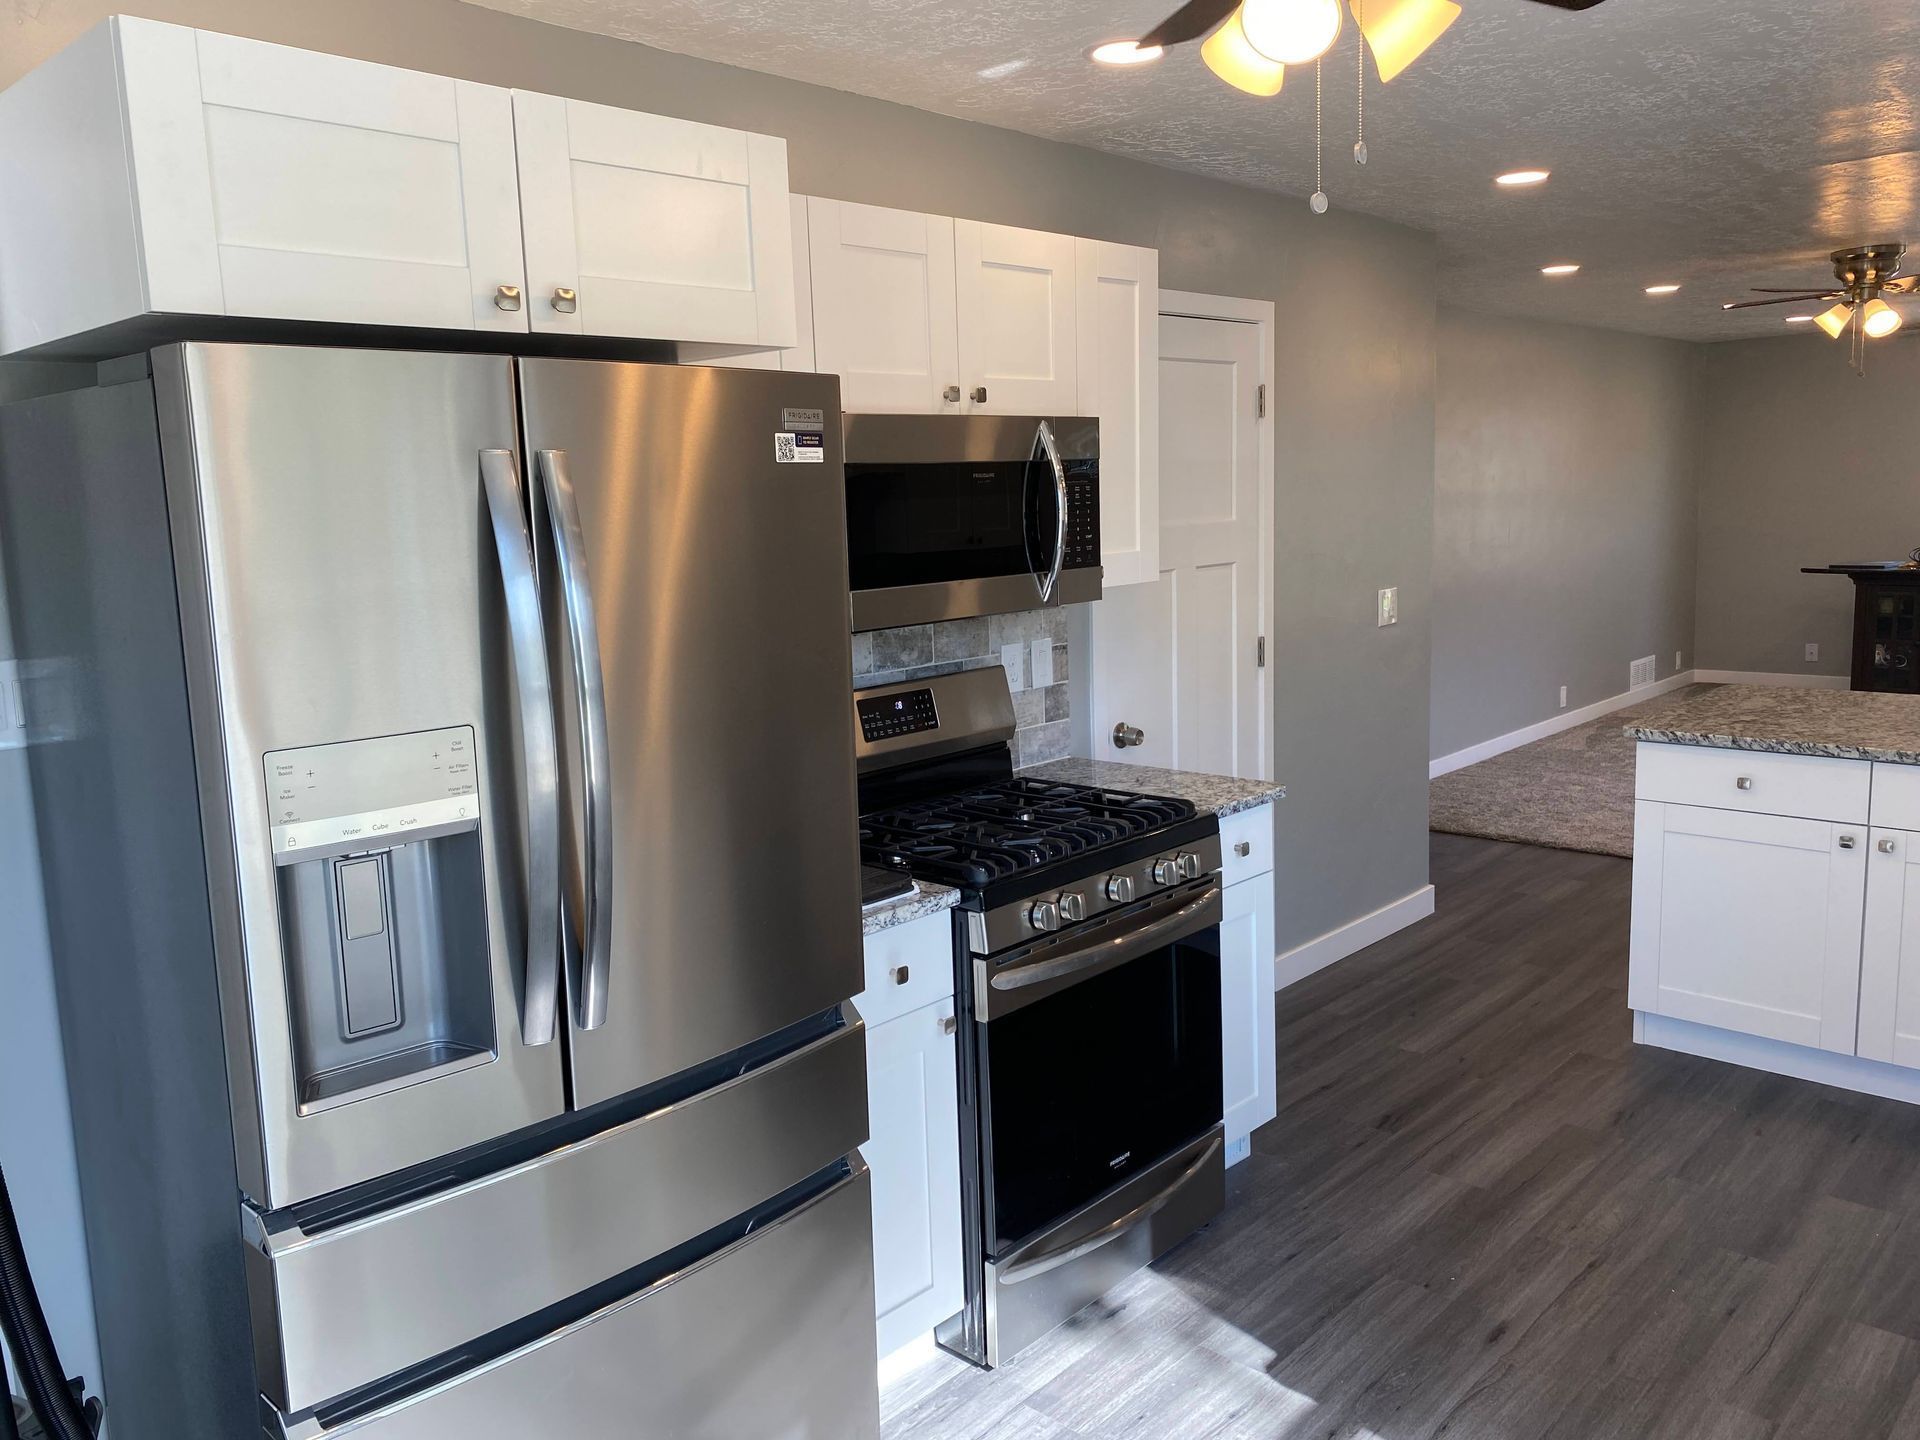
[383, 919]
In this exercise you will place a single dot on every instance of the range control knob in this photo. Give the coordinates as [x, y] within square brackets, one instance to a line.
[1043, 915]
[1073, 905]
[1188, 863]
[1120, 888]
[1166, 872]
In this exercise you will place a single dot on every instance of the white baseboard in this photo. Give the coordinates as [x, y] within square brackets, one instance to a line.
[1789, 678]
[1777, 1057]
[1514, 739]
[1323, 950]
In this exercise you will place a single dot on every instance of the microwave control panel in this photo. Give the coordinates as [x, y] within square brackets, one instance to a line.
[887, 717]
[1083, 515]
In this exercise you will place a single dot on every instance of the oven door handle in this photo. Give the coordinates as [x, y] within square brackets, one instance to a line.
[1019, 1268]
[1020, 985]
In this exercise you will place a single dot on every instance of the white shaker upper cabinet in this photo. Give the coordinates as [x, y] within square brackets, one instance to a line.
[151, 168]
[1019, 351]
[651, 227]
[1118, 320]
[883, 307]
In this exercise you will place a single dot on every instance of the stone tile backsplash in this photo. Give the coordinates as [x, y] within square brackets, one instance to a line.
[913, 652]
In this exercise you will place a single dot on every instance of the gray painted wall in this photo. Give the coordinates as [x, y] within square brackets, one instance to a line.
[1803, 462]
[1354, 398]
[1564, 518]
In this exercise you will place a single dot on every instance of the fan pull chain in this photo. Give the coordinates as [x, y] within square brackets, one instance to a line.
[1319, 201]
[1360, 79]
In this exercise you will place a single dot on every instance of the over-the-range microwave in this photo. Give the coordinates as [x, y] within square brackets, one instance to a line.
[950, 516]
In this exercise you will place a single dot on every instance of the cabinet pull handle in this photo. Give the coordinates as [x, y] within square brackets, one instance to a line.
[951, 394]
[565, 301]
[1243, 848]
[979, 394]
[1745, 782]
[1887, 847]
[900, 974]
[506, 297]
[1847, 842]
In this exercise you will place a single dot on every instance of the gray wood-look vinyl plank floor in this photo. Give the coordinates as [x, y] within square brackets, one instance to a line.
[1484, 1214]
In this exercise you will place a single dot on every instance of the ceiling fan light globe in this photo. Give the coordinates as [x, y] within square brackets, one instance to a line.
[1834, 321]
[1291, 32]
[1400, 31]
[1231, 56]
[1879, 319]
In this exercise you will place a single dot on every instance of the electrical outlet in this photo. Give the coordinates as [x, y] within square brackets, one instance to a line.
[1813, 651]
[1563, 697]
[1040, 669]
[1390, 605]
[1013, 659]
[1677, 667]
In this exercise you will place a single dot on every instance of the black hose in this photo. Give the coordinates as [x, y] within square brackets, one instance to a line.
[25, 1327]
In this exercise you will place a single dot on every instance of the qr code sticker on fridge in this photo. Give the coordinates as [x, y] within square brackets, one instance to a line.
[799, 447]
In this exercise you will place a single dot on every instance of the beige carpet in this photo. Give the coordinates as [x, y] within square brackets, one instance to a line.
[1573, 791]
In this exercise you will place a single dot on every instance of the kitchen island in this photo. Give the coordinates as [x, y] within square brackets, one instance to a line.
[1776, 884]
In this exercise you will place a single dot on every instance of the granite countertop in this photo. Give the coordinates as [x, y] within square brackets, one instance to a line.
[1842, 724]
[1220, 794]
[925, 899]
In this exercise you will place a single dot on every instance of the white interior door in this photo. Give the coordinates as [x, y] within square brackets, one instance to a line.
[293, 185]
[653, 227]
[883, 307]
[1178, 657]
[1118, 322]
[1019, 354]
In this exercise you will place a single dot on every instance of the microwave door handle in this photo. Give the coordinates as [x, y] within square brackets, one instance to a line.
[591, 959]
[1051, 449]
[533, 691]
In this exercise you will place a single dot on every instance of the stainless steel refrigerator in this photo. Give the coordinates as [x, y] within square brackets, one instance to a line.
[446, 801]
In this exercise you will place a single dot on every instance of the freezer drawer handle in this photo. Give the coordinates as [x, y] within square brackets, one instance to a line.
[589, 952]
[533, 689]
[1052, 1260]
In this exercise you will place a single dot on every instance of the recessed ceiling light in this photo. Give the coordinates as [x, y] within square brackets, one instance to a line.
[1522, 177]
[1662, 289]
[1125, 52]
[1558, 270]
[1799, 319]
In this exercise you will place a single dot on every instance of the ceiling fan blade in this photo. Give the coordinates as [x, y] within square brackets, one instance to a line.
[1189, 22]
[1764, 290]
[1905, 285]
[1781, 300]
[1569, 4]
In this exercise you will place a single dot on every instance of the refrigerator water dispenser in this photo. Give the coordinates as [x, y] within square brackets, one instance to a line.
[383, 920]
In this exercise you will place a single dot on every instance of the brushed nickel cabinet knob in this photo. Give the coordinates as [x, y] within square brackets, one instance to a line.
[951, 394]
[979, 394]
[565, 301]
[506, 297]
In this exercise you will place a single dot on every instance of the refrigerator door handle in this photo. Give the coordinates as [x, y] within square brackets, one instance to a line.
[533, 688]
[591, 960]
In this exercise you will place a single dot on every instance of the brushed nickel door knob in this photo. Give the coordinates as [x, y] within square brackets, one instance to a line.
[1125, 736]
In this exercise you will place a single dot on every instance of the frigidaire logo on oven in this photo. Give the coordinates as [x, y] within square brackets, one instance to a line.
[1120, 1159]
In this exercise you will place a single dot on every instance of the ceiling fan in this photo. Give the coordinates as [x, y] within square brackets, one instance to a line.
[1253, 41]
[1866, 273]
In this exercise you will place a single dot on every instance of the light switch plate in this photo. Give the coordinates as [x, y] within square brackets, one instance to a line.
[1390, 605]
[1013, 660]
[1042, 667]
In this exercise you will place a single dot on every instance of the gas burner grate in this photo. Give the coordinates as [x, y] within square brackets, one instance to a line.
[977, 836]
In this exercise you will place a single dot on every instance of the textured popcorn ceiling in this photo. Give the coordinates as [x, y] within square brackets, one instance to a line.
[1714, 143]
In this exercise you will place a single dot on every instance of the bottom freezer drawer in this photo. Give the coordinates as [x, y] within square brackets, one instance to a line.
[768, 1338]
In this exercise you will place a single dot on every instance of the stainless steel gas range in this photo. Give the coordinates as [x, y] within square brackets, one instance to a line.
[1087, 971]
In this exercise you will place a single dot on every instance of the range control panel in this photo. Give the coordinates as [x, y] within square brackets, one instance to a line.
[364, 794]
[886, 717]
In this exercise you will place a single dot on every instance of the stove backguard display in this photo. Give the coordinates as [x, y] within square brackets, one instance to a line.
[904, 712]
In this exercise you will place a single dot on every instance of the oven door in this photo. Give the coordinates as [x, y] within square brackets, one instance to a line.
[1100, 1058]
[951, 517]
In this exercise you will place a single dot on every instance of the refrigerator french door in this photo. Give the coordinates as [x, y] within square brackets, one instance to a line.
[513, 697]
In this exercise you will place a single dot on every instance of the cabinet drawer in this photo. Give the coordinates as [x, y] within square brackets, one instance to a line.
[1896, 796]
[908, 966]
[1809, 786]
[1246, 844]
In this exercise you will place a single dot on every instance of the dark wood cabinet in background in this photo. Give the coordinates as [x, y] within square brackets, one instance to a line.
[1886, 627]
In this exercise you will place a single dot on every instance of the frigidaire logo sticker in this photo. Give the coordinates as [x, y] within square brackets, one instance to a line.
[797, 419]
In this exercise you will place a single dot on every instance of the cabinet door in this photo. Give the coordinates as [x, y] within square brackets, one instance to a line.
[1748, 922]
[662, 229]
[1248, 1075]
[913, 1112]
[283, 183]
[799, 355]
[883, 307]
[1018, 349]
[1117, 318]
[1890, 951]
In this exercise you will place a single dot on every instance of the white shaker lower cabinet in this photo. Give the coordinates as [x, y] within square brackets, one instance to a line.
[1019, 348]
[151, 169]
[1890, 951]
[1249, 1073]
[1117, 320]
[1748, 922]
[647, 226]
